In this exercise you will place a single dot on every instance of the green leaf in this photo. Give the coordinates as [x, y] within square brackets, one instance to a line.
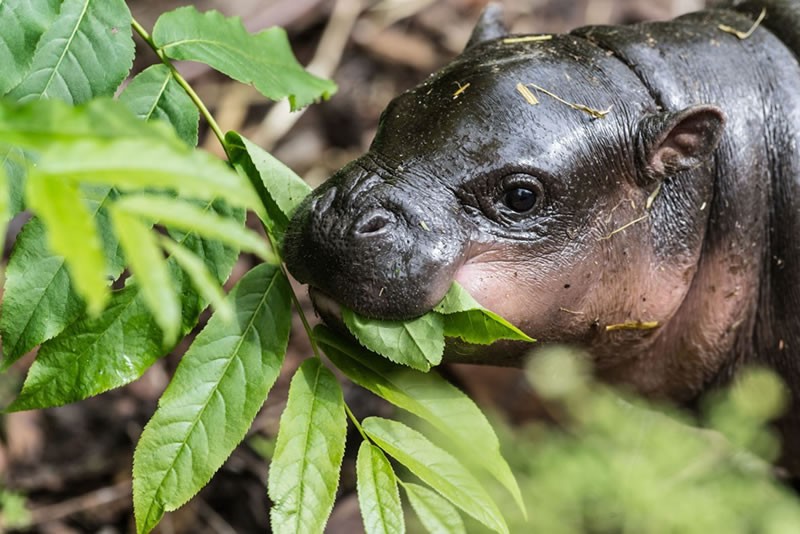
[218, 388]
[154, 94]
[176, 213]
[86, 52]
[429, 397]
[436, 513]
[93, 355]
[5, 203]
[148, 265]
[378, 497]
[39, 301]
[279, 188]
[466, 319]
[21, 26]
[205, 283]
[418, 343]
[304, 472]
[264, 60]
[14, 164]
[71, 233]
[436, 468]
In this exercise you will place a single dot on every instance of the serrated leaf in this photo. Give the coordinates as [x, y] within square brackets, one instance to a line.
[93, 355]
[304, 472]
[418, 343]
[154, 94]
[264, 59]
[37, 125]
[436, 468]
[71, 233]
[435, 512]
[204, 281]
[429, 397]
[86, 52]
[378, 496]
[466, 319]
[218, 388]
[176, 213]
[279, 188]
[148, 265]
[14, 165]
[21, 26]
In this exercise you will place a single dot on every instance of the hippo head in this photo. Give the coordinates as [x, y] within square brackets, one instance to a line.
[540, 175]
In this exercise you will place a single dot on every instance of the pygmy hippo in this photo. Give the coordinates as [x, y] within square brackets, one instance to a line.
[634, 190]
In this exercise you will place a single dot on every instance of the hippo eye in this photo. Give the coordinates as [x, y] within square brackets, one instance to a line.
[520, 199]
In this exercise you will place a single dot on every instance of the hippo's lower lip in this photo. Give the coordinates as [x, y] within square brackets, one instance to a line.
[328, 309]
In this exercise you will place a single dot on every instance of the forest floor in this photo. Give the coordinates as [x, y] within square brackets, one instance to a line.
[72, 465]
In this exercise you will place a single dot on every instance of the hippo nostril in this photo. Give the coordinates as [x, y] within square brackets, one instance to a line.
[372, 223]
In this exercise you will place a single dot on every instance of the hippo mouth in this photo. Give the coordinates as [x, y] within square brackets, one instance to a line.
[327, 308]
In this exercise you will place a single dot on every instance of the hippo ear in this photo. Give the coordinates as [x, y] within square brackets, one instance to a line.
[490, 26]
[678, 141]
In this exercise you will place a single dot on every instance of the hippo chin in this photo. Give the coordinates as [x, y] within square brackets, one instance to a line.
[613, 175]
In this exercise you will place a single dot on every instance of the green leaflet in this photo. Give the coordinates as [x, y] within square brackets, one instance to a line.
[94, 355]
[21, 26]
[175, 213]
[204, 282]
[378, 497]
[39, 301]
[12, 161]
[264, 60]
[278, 187]
[148, 265]
[436, 468]
[86, 52]
[218, 388]
[71, 233]
[466, 319]
[304, 472]
[154, 94]
[435, 512]
[417, 343]
[428, 396]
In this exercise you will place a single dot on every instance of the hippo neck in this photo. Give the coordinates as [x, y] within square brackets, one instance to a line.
[735, 307]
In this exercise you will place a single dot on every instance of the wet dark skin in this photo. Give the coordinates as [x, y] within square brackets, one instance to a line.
[678, 208]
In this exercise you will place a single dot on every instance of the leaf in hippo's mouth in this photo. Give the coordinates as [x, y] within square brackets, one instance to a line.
[419, 343]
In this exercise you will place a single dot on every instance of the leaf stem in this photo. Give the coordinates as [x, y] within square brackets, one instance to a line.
[356, 423]
[181, 81]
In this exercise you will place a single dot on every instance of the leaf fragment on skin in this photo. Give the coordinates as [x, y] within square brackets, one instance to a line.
[304, 472]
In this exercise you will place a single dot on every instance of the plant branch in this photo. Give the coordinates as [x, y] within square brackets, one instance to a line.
[182, 82]
[355, 422]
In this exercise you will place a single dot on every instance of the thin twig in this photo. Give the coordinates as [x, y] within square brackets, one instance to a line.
[596, 113]
[744, 35]
[623, 227]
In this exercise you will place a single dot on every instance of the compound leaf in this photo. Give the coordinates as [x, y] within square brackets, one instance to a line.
[417, 343]
[21, 26]
[148, 265]
[154, 94]
[86, 52]
[304, 472]
[429, 397]
[218, 388]
[435, 512]
[264, 59]
[436, 468]
[378, 497]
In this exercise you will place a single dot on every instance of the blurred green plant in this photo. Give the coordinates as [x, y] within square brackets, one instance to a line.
[13, 513]
[616, 463]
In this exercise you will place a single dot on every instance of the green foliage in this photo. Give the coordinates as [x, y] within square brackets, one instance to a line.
[304, 472]
[219, 386]
[98, 174]
[264, 60]
[377, 492]
[13, 513]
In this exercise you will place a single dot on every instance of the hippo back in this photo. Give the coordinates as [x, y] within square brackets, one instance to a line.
[783, 18]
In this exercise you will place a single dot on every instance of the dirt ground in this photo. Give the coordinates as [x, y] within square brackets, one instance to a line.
[73, 464]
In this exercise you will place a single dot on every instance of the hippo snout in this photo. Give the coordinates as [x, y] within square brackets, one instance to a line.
[369, 243]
